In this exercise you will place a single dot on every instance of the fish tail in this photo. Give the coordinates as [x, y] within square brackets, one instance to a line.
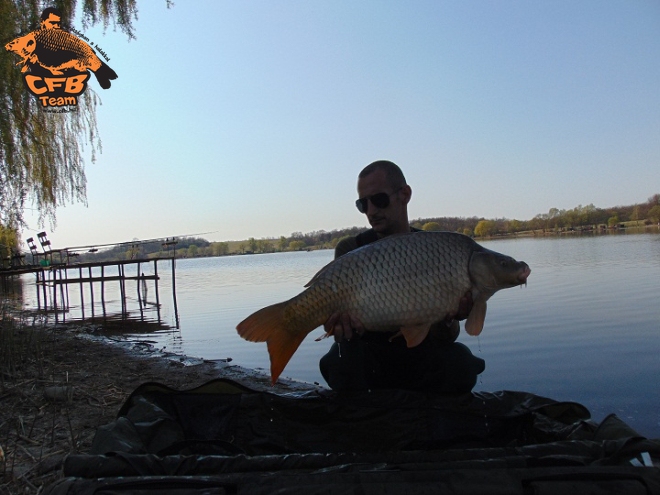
[104, 74]
[269, 325]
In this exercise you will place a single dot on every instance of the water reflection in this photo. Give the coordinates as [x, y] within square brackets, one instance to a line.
[587, 329]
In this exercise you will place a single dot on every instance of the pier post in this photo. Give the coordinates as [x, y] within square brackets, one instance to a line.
[122, 288]
[54, 275]
[82, 297]
[66, 288]
[156, 282]
[43, 288]
[139, 294]
[91, 289]
[103, 290]
[176, 309]
[38, 289]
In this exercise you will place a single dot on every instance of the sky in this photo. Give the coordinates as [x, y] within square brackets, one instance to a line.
[237, 119]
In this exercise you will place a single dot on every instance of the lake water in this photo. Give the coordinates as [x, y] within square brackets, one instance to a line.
[585, 329]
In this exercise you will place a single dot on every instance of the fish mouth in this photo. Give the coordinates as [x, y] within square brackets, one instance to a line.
[526, 270]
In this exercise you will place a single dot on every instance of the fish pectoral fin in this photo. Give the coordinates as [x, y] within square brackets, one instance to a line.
[475, 321]
[414, 334]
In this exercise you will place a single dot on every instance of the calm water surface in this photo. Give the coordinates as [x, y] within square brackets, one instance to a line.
[586, 328]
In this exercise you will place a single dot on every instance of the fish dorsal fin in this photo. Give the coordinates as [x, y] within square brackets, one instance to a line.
[415, 334]
[475, 321]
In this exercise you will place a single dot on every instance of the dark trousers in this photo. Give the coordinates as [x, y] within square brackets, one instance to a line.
[375, 362]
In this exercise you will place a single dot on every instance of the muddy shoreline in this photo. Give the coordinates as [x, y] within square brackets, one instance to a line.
[55, 396]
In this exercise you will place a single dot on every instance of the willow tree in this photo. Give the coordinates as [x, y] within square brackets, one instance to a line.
[42, 155]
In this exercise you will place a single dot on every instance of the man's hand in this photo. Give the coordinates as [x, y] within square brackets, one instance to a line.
[343, 326]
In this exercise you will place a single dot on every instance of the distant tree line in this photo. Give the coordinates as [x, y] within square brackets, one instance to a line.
[581, 218]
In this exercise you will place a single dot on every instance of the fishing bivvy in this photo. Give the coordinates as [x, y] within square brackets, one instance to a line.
[222, 437]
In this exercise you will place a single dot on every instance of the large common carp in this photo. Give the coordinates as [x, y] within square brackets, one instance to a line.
[59, 51]
[403, 282]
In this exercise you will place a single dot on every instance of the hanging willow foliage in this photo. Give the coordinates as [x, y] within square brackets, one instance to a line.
[42, 155]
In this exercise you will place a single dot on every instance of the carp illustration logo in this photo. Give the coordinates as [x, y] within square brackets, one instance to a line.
[56, 64]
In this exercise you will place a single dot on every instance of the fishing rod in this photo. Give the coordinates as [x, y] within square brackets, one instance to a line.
[137, 241]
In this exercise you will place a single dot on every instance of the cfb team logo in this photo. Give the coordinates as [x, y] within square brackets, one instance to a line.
[56, 64]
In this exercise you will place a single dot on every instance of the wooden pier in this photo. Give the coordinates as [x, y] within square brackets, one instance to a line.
[53, 282]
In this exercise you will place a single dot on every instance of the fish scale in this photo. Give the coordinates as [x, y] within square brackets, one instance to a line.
[405, 281]
[59, 40]
[409, 290]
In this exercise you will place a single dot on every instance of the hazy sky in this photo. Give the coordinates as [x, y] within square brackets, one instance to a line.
[253, 118]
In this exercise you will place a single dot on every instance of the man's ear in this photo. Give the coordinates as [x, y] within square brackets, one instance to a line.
[407, 193]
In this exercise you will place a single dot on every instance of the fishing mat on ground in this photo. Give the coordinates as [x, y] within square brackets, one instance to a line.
[222, 437]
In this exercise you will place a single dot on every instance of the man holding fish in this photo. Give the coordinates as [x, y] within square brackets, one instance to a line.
[391, 298]
[361, 359]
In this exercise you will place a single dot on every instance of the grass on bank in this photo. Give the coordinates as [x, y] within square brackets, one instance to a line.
[21, 346]
[21, 366]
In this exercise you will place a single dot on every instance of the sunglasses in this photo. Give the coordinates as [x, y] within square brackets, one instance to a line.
[379, 200]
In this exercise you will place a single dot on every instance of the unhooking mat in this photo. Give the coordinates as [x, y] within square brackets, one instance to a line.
[222, 437]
